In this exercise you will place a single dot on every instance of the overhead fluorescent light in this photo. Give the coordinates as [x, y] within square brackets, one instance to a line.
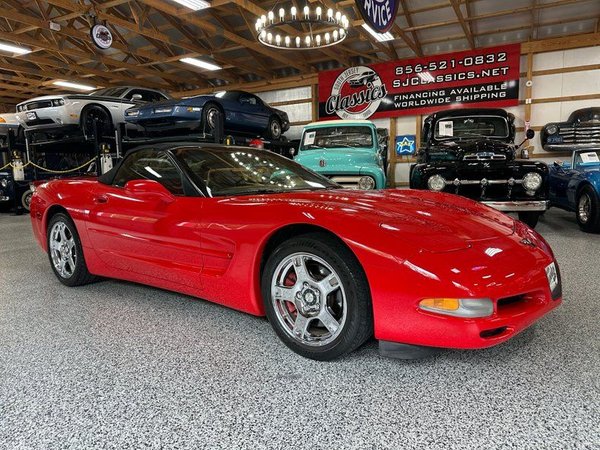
[79, 87]
[381, 37]
[200, 63]
[194, 4]
[15, 49]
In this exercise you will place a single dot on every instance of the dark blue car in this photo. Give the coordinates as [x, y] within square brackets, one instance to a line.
[575, 186]
[244, 113]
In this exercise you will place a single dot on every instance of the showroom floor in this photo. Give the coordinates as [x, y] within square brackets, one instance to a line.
[117, 365]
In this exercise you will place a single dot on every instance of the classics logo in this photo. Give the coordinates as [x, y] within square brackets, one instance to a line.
[356, 93]
[379, 14]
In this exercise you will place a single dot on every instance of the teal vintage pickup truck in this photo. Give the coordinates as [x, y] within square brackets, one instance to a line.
[349, 152]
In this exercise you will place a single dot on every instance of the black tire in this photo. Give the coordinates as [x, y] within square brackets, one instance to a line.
[209, 113]
[80, 274]
[358, 324]
[26, 199]
[274, 130]
[588, 216]
[530, 218]
[101, 116]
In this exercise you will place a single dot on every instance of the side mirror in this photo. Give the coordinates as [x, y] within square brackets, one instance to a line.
[137, 97]
[530, 133]
[149, 189]
[293, 152]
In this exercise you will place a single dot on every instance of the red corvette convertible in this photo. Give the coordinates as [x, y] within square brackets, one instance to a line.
[329, 267]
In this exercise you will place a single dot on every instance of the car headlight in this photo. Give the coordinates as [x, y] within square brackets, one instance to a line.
[552, 129]
[58, 102]
[532, 181]
[132, 113]
[2, 120]
[459, 307]
[4, 182]
[436, 183]
[366, 183]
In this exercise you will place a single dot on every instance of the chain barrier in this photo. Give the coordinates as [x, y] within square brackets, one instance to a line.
[50, 170]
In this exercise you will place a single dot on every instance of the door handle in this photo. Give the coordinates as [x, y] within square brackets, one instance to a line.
[101, 199]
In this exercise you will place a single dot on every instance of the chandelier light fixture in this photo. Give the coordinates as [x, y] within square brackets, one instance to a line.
[312, 28]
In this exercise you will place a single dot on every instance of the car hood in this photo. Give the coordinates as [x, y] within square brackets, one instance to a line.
[441, 222]
[334, 157]
[476, 146]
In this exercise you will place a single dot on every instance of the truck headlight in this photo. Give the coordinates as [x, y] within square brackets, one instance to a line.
[366, 183]
[459, 307]
[532, 181]
[552, 129]
[436, 183]
[4, 182]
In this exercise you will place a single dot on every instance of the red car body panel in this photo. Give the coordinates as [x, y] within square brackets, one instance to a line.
[411, 245]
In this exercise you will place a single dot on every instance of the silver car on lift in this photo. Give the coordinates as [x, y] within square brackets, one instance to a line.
[106, 107]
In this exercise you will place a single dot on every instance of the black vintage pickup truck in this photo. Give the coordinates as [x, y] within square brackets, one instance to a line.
[471, 152]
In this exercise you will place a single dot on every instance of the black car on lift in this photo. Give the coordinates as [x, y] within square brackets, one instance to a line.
[471, 152]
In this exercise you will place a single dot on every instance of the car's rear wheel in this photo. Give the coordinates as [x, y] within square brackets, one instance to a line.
[530, 218]
[274, 131]
[588, 211]
[66, 253]
[316, 297]
[101, 118]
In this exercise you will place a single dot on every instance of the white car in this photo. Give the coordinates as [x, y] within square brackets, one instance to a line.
[105, 106]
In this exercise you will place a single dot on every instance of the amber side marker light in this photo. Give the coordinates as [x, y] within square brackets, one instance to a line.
[459, 307]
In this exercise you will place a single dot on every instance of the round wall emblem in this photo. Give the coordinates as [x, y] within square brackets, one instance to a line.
[378, 14]
[356, 93]
[101, 36]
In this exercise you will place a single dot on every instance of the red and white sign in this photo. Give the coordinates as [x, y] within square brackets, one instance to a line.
[476, 78]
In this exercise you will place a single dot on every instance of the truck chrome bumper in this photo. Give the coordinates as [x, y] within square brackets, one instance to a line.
[518, 206]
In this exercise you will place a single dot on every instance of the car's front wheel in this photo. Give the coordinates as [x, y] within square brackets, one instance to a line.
[588, 211]
[66, 253]
[26, 199]
[210, 116]
[316, 297]
[530, 218]
[98, 118]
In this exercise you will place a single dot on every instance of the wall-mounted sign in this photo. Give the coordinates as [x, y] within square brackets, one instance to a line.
[405, 145]
[476, 78]
[378, 14]
[101, 36]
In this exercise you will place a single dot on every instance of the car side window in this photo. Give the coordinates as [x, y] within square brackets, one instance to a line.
[251, 100]
[150, 165]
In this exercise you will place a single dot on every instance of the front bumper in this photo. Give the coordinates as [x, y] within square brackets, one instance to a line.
[48, 118]
[519, 205]
[4, 198]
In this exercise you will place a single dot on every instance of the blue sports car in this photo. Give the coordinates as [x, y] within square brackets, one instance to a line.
[244, 113]
[575, 186]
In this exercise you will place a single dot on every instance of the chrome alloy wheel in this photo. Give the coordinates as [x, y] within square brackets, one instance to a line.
[62, 249]
[275, 129]
[584, 207]
[211, 116]
[309, 299]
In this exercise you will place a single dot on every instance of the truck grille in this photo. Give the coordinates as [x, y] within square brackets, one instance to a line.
[583, 134]
[485, 188]
[349, 182]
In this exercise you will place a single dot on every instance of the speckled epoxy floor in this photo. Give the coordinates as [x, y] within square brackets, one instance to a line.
[117, 365]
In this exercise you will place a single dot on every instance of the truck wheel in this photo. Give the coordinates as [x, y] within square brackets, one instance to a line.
[529, 218]
[588, 211]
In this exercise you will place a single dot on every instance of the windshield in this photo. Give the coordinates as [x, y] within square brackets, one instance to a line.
[110, 92]
[471, 126]
[238, 171]
[587, 158]
[336, 137]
